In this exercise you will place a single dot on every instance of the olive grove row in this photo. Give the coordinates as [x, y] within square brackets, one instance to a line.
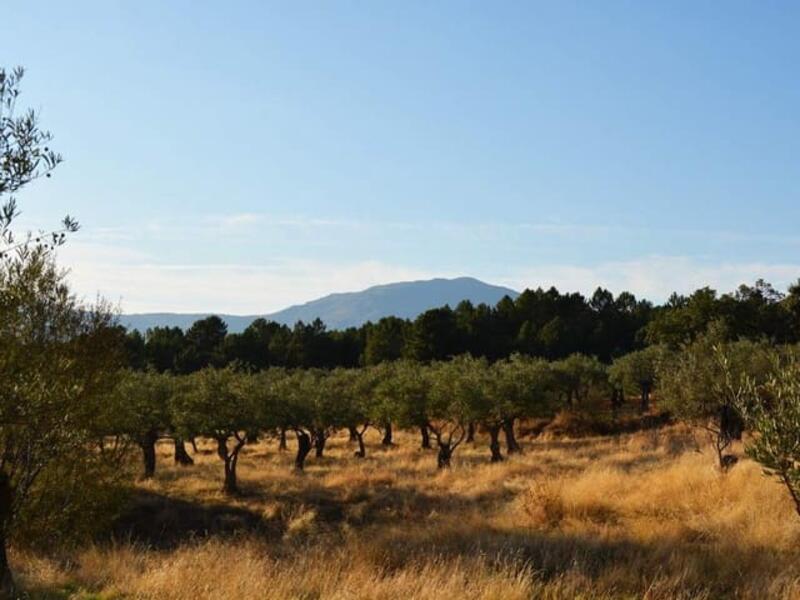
[723, 387]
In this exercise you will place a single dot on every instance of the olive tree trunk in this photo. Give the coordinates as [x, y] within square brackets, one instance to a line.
[282, 446]
[148, 445]
[512, 446]
[319, 443]
[230, 459]
[362, 449]
[181, 455]
[444, 456]
[387, 434]
[494, 443]
[644, 405]
[471, 433]
[303, 448]
[7, 587]
[426, 438]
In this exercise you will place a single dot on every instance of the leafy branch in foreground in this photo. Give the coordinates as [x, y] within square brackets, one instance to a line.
[25, 155]
[772, 411]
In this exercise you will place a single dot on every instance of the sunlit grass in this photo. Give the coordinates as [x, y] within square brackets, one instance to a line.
[640, 515]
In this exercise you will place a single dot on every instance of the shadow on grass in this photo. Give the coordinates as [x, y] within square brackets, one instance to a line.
[163, 522]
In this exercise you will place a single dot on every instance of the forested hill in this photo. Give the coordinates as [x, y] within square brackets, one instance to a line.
[340, 311]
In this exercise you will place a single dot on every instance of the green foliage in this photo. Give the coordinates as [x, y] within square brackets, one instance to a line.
[637, 371]
[580, 379]
[57, 368]
[772, 411]
[694, 384]
[142, 405]
[385, 340]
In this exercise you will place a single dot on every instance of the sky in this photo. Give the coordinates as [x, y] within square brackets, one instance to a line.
[240, 157]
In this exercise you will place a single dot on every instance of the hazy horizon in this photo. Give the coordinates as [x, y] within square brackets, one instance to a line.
[247, 157]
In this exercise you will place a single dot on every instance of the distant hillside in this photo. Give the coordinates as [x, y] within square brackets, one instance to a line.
[351, 309]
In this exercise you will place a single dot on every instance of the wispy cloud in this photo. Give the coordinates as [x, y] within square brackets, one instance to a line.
[139, 284]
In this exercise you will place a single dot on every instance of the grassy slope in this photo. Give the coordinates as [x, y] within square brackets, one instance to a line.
[642, 515]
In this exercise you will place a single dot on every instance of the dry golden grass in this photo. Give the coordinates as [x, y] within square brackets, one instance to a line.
[638, 516]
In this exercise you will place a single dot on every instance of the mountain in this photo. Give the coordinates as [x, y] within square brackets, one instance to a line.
[351, 309]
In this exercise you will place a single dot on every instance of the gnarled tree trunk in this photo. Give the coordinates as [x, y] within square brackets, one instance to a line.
[148, 445]
[319, 443]
[444, 456]
[181, 455]
[362, 449]
[471, 432]
[230, 459]
[303, 448]
[387, 434]
[512, 445]
[494, 443]
[426, 438]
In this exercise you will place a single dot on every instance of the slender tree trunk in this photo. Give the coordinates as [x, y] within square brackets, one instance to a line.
[444, 456]
[645, 403]
[362, 450]
[353, 433]
[282, 447]
[194, 444]
[319, 443]
[617, 399]
[511, 441]
[494, 443]
[7, 587]
[222, 448]
[181, 455]
[470, 433]
[426, 438]
[230, 486]
[387, 434]
[303, 448]
[148, 445]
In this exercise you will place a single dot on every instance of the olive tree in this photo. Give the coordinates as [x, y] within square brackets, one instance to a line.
[305, 398]
[772, 411]
[142, 403]
[405, 393]
[637, 371]
[512, 389]
[693, 384]
[454, 402]
[216, 403]
[577, 376]
[58, 363]
[355, 391]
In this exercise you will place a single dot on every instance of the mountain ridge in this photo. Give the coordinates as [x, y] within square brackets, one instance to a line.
[340, 310]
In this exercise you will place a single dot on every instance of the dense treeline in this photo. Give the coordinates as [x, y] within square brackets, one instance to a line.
[541, 323]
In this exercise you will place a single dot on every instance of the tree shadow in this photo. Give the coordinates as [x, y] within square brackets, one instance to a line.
[163, 522]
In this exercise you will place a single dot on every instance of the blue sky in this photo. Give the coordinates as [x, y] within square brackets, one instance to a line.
[243, 156]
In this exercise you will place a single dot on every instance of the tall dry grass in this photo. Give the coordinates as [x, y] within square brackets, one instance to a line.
[644, 515]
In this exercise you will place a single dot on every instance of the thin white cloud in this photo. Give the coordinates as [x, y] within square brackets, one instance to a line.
[138, 284]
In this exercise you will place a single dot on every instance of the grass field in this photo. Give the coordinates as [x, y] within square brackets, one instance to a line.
[643, 515]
